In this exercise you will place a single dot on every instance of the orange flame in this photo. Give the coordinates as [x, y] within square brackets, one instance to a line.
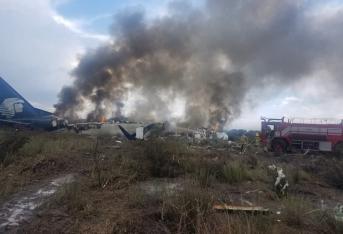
[103, 119]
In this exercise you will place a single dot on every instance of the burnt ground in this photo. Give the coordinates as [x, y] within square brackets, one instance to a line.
[166, 186]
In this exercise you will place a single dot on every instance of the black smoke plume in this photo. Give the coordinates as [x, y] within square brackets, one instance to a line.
[210, 56]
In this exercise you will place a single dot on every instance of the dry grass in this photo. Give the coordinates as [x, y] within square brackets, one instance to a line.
[298, 176]
[235, 172]
[328, 168]
[10, 143]
[72, 197]
[187, 211]
[162, 157]
[295, 211]
[239, 224]
[34, 156]
[109, 197]
[301, 214]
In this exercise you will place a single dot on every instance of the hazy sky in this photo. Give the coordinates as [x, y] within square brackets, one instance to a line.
[41, 40]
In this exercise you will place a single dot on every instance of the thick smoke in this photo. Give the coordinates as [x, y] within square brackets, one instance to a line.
[210, 57]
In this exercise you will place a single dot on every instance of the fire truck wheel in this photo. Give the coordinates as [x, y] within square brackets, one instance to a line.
[278, 147]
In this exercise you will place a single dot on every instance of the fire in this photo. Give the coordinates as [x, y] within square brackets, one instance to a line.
[215, 127]
[103, 119]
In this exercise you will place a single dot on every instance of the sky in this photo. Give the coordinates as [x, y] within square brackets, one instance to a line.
[41, 41]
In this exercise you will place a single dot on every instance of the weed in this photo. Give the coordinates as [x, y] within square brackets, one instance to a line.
[206, 172]
[324, 222]
[71, 196]
[187, 211]
[162, 158]
[298, 175]
[9, 145]
[238, 224]
[329, 169]
[296, 210]
[33, 147]
[251, 161]
[334, 175]
[234, 172]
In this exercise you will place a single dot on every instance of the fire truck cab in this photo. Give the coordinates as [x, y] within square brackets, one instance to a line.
[286, 135]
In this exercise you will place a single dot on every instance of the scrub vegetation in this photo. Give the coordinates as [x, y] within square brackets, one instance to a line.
[167, 186]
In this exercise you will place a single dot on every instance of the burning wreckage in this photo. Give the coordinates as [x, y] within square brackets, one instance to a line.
[277, 135]
[206, 62]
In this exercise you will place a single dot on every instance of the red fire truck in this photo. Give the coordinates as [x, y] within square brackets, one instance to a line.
[286, 135]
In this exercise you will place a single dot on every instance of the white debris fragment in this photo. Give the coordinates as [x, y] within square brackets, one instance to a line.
[281, 183]
[280, 175]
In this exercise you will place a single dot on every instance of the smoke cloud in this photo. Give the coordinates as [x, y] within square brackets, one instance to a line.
[210, 57]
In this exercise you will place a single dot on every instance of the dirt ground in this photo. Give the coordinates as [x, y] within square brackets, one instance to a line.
[167, 185]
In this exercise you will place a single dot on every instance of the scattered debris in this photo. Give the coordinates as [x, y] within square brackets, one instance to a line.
[254, 191]
[155, 188]
[307, 151]
[247, 209]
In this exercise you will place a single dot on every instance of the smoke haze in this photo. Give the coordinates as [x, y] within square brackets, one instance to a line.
[210, 57]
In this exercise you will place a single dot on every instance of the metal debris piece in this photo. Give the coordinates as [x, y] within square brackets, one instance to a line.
[248, 209]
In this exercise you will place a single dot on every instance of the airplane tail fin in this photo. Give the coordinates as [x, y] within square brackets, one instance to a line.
[12, 104]
[127, 134]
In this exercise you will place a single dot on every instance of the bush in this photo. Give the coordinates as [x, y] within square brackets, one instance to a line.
[329, 169]
[187, 211]
[204, 171]
[240, 224]
[324, 222]
[70, 196]
[334, 174]
[33, 147]
[299, 175]
[295, 211]
[10, 144]
[251, 161]
[162, 158]
[235, 172]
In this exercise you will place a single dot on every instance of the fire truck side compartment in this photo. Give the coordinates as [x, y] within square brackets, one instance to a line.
[314, 136]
